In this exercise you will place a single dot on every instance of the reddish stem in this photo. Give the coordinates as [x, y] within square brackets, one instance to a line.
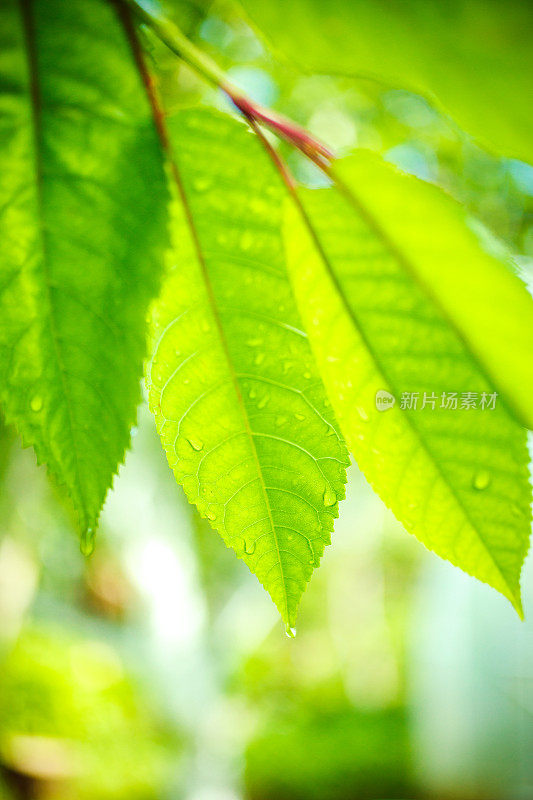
[288, 130]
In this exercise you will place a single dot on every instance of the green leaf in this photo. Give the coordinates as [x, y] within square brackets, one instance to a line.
[239, 406]
[83, 228]
[373, 265]
[472, 58]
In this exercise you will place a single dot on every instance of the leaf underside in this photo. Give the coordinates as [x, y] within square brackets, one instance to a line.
[456, 478]
[240, 409]
[82, 237]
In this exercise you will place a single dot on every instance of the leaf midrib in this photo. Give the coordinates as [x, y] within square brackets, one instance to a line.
[231, 369]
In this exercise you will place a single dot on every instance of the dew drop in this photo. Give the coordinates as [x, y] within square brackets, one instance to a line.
[290, 632]
[36, 403]
[195, 444]
[481, 480]
[329, 496]
[280, 421]
[264, 400]
[252, 394]
[87, 542]
[249, 547]
[362, 413]
[211, 515]
[260, 357]
[307, 375]
[254, 342]
[300, 416]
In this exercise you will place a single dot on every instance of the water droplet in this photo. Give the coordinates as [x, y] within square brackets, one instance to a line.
[211, 515]
[260, 357]
[300, 416]
[195, 444]
[87, 542]
[254, 342]
[249, 547]
[307, 375]
[287, 366]
[281, 421]
[36, 403]
[481, 480]
[252, 394]
[329, 496]
[290, 632]
[134, 431]
[264, 400]
[362, 413]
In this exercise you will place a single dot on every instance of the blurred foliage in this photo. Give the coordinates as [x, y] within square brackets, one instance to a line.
[73, 724]
[331, 756]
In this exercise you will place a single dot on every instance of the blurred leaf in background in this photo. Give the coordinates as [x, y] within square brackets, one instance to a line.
[471, 57]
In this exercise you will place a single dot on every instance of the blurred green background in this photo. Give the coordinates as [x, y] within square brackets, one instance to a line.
[158, 668]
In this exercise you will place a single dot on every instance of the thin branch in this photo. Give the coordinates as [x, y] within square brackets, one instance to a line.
[178, 43]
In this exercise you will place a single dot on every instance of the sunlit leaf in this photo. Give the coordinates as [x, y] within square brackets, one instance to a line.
[386, 275]
[471, 57]
[82, 222]
[238, 403]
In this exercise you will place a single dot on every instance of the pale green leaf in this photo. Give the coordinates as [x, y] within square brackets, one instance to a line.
[83, 225]
[472, 58]
[385, 273]
[239, 406]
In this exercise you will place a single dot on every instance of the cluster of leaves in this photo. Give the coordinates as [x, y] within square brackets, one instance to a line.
[276, 314]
